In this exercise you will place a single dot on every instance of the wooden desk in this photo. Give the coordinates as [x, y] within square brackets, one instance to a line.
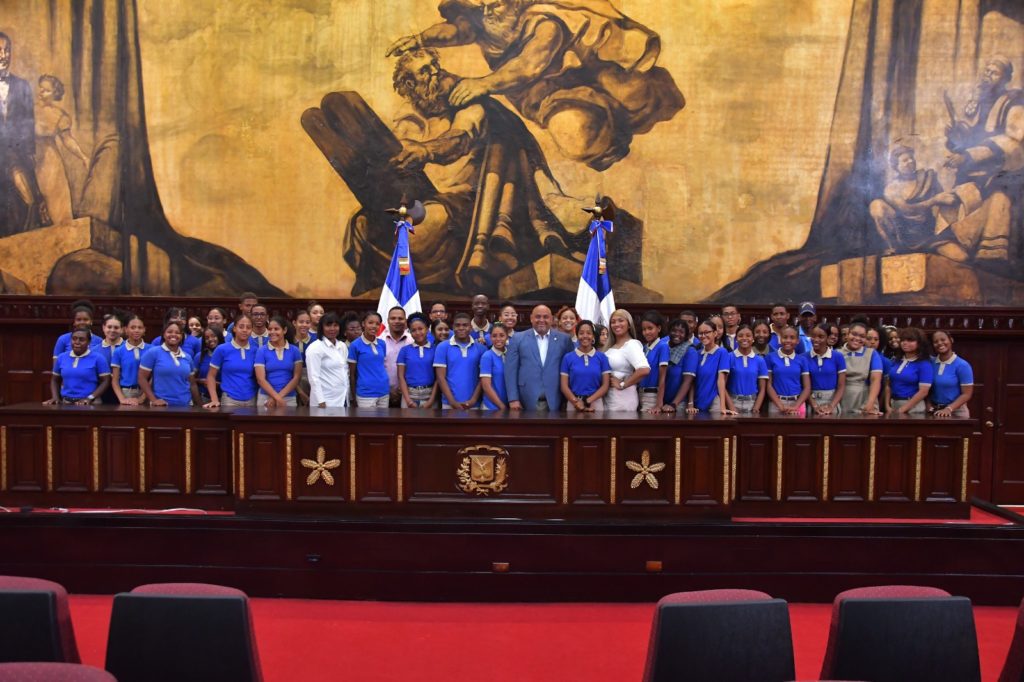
[376, 463]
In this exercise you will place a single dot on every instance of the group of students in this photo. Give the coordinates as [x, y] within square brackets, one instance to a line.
[718, 365]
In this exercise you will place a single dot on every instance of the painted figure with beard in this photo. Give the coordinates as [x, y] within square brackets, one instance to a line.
[487, 217]
[21, 204]
[578, 68]
[988, 154]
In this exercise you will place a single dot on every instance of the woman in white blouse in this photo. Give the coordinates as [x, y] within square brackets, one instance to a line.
[327, 365]
[628, 363]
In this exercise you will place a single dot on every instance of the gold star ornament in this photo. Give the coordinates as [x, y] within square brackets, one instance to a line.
[645, 471]
[321, 466]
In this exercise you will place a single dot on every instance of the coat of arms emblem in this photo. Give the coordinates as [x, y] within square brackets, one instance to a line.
[484, 470]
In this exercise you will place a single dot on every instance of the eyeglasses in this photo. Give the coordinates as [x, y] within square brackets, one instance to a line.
[259, 314]
[705, 333]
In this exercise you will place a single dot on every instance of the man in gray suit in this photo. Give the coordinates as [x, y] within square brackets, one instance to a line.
[532, 364]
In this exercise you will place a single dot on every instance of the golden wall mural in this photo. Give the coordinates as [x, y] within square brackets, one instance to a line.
[857, 151]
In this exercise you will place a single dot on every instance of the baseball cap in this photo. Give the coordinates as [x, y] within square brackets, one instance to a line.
[807, 308]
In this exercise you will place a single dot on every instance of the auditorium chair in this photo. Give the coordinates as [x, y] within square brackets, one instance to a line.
[35, 622]
[52, 672]
[1013, 669]
[719, 636]
[182, 631]
[901, 633]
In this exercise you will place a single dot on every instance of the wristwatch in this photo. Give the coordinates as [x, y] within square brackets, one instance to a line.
[586, 401]
[90, 397]
[622, 383]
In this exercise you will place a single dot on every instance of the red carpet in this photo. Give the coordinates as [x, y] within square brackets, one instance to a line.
[978, 517]
[308, 641]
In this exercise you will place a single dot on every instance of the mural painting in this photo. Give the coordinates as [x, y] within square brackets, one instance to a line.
[857, 151]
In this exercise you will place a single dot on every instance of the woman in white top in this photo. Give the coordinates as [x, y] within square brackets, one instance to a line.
[628, 363]
[327, 365]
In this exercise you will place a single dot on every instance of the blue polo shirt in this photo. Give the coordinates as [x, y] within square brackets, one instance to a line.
[202, 365]
[483, 337]
[259, 341]
[674, 374]
[886, 364]
[657, 357]
[63, 344]
[191, 344]
[106, 351]
[585, 372]
[825, 370]
[279, 371]
[493, 365]
[170, 379]
[708, 367]
[128, 360]
[744, 373]
[905, 378]
[786, 377]
[462, 363]
[235, 369]
[371, 376]
[948, 378]
[418, 362]
[303, 345]
[80, 375]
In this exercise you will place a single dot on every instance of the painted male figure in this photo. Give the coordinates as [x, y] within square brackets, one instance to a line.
[21, 203]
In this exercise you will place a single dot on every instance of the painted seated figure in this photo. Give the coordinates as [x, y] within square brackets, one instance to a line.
[905, 217]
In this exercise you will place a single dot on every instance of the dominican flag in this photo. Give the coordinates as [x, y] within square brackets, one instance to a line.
[595, 301]
[400, 288]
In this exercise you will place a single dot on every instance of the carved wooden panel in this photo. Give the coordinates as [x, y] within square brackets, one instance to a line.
[589, 473]
[534, 469]
[119, 459]
[324, 453]
[72, 459]
[645, 470]
[376, 468]
[755, 466]
[802, 467]
[211, 461]
[895, 464]
[165, 460]
[941, 469]
[26, 458]
[703, 474]
[265, 477]
[849, 464]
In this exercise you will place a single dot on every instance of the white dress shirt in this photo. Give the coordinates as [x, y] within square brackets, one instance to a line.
[542, 346]
[327, 369]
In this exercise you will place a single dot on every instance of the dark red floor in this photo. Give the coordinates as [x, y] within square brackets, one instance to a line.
[383, 642]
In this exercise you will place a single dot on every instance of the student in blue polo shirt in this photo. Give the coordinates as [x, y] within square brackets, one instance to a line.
[652, 386]
[789, 380]
[191, 344]
[366, 358]
[748, 374]
[585, 372]
[679, 344]
[81, 318]
[303, 337]
[953, 382]
[80, 375]
[873, 340]
[211, 339]
[112, 340]
[492, 370]
[710, 374]
[234, 363]
[827, 368]
[910, 378]
[457, 362]
[416, 378]
[278, 367]
[166, 372]
[125, 364]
